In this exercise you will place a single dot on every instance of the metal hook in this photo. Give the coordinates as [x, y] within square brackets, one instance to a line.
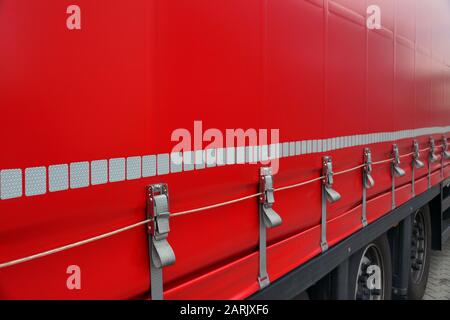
[397, 170]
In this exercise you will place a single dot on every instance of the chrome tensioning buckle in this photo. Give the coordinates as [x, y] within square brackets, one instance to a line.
[268, 218]
[328, 181]
[328, 195]
[445, 152]
[432, 157]
[160, 252]
[417, 163]
[396, 169]
[369, 182]
[267, 199]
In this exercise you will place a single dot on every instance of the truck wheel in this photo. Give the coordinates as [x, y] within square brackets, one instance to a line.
[420, 253]
[370, 271]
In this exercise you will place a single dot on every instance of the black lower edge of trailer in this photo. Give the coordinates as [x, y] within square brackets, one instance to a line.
[306, 275]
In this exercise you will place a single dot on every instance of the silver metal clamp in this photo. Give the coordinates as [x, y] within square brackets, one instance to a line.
[161, 253]
[416, 164]
[368, 182]
[328, 195]
[445, 152]
[432, 157]
[396, 171]
[268, 218]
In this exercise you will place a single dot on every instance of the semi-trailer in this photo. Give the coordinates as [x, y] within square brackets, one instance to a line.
[213, 149]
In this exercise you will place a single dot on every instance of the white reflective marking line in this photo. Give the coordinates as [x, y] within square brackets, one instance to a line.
[82, 174]
[116, 169]
[58, 177]
[148, 166]
[79, 175]
[35, 181]
[99, 172]
[162, 163]
[10, 183]
[133, 168]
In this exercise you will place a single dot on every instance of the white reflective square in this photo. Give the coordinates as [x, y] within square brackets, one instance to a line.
[10, 183]
[58, 177]
[256, 153]
[79, 175]
[221, 157]
[298, 148]
[211, 157]
[314, 146]
[265, 152]
[148, 166]
[308, 146]
[249, 154]
[133, 168]
[240, 155]
[35, 181]
[319, 145]
[188, 160]
[176, 162]
[230, 155]
[291, 149]
[116, 169]
[162, 163]
[99, 172]
[285, 149]
[200, 159]
[303, 147]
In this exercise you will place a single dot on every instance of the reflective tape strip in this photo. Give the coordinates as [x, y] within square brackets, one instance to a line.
[16, 182]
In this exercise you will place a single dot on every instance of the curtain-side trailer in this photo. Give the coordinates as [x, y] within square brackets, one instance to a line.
[222, 149]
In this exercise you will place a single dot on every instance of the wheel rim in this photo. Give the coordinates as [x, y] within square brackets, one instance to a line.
[370, 280]
[418, 247]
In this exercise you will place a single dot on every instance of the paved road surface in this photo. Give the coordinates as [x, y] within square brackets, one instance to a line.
[438, 287]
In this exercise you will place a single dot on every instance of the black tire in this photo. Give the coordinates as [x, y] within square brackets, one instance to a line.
[358, 281]
[418, 278]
